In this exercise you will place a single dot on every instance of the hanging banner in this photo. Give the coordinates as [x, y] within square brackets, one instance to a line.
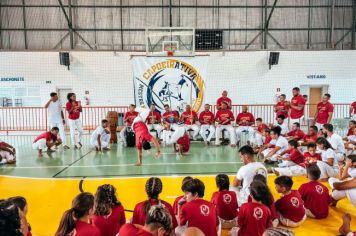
[173, 81]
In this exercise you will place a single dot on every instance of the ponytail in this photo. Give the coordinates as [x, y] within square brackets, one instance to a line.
[261, 193]
[153, 189]
[67, 224]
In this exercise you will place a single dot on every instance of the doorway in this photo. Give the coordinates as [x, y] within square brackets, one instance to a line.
[62, 94]
[314, 93]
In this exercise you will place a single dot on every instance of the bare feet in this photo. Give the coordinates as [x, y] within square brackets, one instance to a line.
[138, 164]
[40, 153]
[345, 227]
[333, 202]
[233, 145]
[66, 147]
[158, 155]
[11, 161]
[106, 148]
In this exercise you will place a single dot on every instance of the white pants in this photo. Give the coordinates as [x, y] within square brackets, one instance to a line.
[289, 223]
[203, 129]
[195, 129]
[156, 127]
[292, 121]
[273, 157]
[326, 170]
[241, 129]
[104, 139]
[62, 134]
[40, 144]
[171, 137]
[122, 135]
[340, 156]
[258, 139]
[340, 194]
[295, 170]
[6, 156]
[230, 130]
[353, 117]
[320, 126]
[75, 124]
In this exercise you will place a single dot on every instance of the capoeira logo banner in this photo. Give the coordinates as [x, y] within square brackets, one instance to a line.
[173, 81]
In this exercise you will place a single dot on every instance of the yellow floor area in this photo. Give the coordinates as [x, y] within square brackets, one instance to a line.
[49, 198]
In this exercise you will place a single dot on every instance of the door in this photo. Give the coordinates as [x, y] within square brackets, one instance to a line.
[314, 98]
[62, 94]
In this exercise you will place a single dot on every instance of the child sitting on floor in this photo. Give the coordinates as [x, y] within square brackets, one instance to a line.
[290, 206]
[315, 195]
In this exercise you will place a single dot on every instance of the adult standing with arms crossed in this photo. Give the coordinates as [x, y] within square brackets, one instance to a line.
[56, 117]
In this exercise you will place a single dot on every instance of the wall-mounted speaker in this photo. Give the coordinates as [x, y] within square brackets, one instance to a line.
[64, 59]
[273, 59]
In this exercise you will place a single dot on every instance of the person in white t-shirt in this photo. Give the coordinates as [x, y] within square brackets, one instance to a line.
[336, 141]
[328, 165]
[245, 174]
[281, 123]
[345, 186]
[56, 117]
[281, 144]
[100, 138]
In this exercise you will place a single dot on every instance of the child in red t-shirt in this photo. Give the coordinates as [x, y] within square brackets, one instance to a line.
[315, 195]
[255, 217]
[180, 199]
[197, 212]
[311, 156]
[153, 189]
[290, 206]
[225, 202]
[77, 220]
[266, 134]
[109, 214]
[158, 222]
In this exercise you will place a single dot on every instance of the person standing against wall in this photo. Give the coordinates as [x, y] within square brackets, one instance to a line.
[223, 99]
[56, 117]
[74, 108]
[324, 112]
[297, 105]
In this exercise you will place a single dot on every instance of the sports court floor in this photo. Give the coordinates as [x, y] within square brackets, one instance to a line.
[51, 182]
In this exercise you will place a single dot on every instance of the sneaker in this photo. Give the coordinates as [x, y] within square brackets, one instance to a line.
[66, 147]
[80, 144]
[76, 146]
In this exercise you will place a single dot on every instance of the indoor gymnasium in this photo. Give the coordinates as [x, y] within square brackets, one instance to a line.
[177, 117]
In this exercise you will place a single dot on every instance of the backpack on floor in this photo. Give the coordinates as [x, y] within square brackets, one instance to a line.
[130, 137]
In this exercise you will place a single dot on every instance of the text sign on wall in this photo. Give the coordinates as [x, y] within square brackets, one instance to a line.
[316, 76]
[12, 79]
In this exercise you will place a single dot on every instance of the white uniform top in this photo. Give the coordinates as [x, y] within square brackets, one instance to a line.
[247, 172]
[337, 143]
[327, 154]
[284, 128]
[281, 142]
[350, 138]
[98, 131]
[352, 172]
[54, 112]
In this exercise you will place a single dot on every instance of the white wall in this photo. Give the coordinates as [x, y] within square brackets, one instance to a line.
[108, 75]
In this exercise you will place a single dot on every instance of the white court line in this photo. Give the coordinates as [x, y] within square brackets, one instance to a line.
[119, 165]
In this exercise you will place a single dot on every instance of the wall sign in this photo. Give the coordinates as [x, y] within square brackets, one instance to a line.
[12, 79]
[316, 76]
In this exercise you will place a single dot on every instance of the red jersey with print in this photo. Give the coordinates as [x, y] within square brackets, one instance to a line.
[261, 127]
[297, 101]
[130, 116]
[153, 117]
[353, 105]
[297, 134]
[291, 206]
[141, 133]
[85, 229]
[245, 119]
[310, 138]
[253, 219]
[133, 230]
[272, 208]
[223, 99]
[280, 106]
[48, 136]
[201, 214]
[189, 121]
[224, 116]
[295, 156]
[323, 110]
[185, 142]
[139, 215]
[316, 198]
[226, 204]
[110, 225]
[170, 116]
[310, 159]
[206, 118]
[75, 113]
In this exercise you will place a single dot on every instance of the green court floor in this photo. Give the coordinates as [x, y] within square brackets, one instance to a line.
[117, 162]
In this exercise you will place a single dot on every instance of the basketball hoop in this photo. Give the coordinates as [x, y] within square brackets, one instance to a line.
[170, 47]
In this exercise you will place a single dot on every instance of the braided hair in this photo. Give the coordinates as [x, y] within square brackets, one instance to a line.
[153, 188]
[10, 222]
[158, 216]
[105, 199]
